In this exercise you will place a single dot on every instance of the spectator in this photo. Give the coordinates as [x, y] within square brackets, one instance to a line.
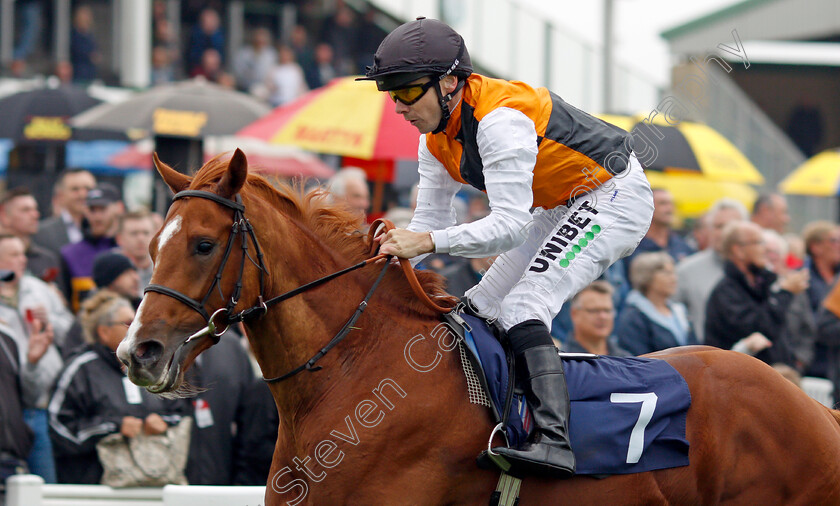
[800, 322]
[63, 70]
[210, 67]
[163, 72]
[254, 61]
[324, 70]
[15, 435]
[41, 363]
[698, 274]
[827, 347]
[103, 208]
[134, 234]
[822, 244]
[93, 398]
[285, 81]
[84, 55]
[164, 36]
[771, 211]
[18, 69]
[258, 437]
[593, 319]
[748, 302]
[660, 236]
[304, 55]
[70, 205]
[216, 451]
[350, 185]
[32, 297]
[19, 216]
[650, 321]
[207, 34]
[341, 34]
[31, 17]
[461, 275]
[369, 37]
[114, 272]
[700, 230]
[796, 251]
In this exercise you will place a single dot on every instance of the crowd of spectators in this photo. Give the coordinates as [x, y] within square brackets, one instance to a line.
[273, 65]
[65, 304]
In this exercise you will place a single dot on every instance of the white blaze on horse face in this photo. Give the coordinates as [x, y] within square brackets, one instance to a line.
[128, 341]
[169, 230]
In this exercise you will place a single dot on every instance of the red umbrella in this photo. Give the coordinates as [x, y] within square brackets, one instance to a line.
[346, 117]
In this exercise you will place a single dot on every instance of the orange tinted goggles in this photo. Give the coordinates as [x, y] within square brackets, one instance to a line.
[410, 94]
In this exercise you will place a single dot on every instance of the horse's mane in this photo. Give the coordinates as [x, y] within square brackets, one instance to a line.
[335, 225]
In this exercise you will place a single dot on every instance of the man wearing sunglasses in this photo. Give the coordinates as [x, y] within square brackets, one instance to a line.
[525, 147]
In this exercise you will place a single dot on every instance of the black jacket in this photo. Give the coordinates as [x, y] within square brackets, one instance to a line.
[225, 371]
[257, 436]
[15, 436]
[736, 309]
[89, 402]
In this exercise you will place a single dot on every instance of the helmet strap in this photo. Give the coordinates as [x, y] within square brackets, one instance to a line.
[444, 100]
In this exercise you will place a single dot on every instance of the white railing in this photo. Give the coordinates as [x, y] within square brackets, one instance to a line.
[30, 490]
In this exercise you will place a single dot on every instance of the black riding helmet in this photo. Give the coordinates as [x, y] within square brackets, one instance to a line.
[419, 48]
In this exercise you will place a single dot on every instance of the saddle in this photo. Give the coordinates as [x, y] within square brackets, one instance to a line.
[627, 415]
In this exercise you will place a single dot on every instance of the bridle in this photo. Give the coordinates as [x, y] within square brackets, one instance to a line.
[241, 225]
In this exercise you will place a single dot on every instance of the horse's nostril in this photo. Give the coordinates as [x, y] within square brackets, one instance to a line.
[147, 353]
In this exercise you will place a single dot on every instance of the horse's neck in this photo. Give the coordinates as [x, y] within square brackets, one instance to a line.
[392, 361]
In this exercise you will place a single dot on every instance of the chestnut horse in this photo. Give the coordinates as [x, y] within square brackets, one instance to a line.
[384, 417]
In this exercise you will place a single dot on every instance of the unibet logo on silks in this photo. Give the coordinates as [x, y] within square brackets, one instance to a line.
[564, 240]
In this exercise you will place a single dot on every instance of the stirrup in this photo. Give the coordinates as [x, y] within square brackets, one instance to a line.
[488, 459]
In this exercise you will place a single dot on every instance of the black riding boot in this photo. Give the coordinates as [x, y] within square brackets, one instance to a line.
[541, 372]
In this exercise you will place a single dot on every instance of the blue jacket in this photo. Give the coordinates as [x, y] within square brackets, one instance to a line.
[641, 331]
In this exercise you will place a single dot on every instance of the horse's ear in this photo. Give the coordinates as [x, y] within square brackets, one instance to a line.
[174, 179]
[234, 178]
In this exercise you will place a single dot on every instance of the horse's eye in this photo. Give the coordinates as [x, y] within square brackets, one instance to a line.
[204, 247]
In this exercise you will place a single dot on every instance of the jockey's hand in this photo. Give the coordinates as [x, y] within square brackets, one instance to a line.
[404, 243]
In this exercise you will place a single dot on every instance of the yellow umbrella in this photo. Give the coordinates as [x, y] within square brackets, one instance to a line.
[686, 147]
[695, 194]
[818, 176]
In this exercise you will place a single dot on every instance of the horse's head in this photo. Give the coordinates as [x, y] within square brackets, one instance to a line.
[197, 268]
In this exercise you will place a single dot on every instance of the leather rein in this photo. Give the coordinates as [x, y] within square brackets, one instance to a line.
[242, 225]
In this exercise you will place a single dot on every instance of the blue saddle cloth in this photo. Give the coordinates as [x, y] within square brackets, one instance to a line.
[627, 415]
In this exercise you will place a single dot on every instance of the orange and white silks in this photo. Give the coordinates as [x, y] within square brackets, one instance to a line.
[577, 152]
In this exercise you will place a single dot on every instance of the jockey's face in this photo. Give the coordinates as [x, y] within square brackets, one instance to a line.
[425, 114]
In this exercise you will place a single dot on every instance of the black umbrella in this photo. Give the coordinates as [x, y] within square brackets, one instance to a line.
[42, 115]
[190, 109]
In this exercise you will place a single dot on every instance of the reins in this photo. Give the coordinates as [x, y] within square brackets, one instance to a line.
[243, 226]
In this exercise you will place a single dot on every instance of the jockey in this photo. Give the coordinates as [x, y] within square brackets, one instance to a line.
[525, 147]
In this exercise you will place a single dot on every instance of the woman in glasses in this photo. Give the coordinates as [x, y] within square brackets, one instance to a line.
[93, 397]
[525, 147]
